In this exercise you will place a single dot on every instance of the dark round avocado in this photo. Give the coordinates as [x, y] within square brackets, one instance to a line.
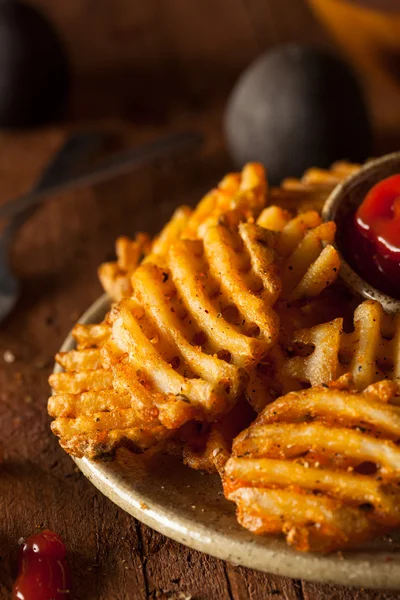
[297, 107]
[34, 73]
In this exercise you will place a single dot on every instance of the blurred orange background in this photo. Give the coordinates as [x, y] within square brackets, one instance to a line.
[369, 34]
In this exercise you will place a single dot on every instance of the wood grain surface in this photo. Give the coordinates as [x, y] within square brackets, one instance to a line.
[185, 55]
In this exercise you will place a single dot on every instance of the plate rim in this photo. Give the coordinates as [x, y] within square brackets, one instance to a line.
[367, 570]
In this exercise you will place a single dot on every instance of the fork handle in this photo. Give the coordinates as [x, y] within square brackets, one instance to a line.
[77, 148]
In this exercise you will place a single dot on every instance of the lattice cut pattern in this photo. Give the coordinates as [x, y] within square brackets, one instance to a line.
[321, 466]
[181, 344]
[91, 417]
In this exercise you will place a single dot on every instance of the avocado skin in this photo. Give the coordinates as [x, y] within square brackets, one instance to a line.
[34, 71]
[297, 107]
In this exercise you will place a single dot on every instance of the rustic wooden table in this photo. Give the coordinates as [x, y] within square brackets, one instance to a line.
[57, 253]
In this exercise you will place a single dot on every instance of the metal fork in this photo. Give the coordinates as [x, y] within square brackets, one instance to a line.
[61, 175]
[76, 148]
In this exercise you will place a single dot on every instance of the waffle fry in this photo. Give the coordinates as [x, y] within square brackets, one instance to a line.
[321, 466]
[182, 342]
[369, 353]
[91, 418]
[308, 265]
[199, 311]
[297, 241]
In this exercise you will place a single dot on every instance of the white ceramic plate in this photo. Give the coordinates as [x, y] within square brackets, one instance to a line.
[188, 506]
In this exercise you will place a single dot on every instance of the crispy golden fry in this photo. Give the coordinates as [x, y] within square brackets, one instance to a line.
[91, 417]
[181, 343]
[200, 311]
[321, 466]
[324, 177]
[308, 265]
[279, 372]
[370, 353]
[297, 241]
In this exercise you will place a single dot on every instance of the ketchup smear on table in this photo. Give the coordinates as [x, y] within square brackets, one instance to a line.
[43, 571]
[373, 243]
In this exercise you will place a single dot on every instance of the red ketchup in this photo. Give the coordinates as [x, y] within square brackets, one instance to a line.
[374, 242]
[43, 571]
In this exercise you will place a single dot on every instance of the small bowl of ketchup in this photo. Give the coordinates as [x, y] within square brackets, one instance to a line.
[366, 210]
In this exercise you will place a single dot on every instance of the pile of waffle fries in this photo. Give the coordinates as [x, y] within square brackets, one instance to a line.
[232, 341]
